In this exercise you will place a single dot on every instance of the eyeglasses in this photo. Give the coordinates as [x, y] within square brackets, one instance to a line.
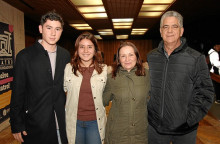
[173, 27]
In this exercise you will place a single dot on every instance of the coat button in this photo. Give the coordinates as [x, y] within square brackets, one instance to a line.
[96, 108]
[94, 97]
[133, 124]
[133, 99]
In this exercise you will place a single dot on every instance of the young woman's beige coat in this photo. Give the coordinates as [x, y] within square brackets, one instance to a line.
[72, 85]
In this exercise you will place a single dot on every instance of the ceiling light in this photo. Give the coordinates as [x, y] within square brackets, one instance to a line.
[122, 27]
[81, 26]
[98, 37]
[122, 36]
[95, 15]
[122, 23]
[105, 32]
[117, 24]
[149, 14]
[154, 7]
[86, 2]
[91, 9]
[139, 29]
[158, 1]
[123, 20]
[137, 33]
[76, 25]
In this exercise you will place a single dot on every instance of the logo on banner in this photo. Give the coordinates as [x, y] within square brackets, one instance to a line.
[6, 68]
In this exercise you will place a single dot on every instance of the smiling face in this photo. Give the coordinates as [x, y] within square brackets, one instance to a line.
[51, 32]
[127, 58]
[171, 31]
[86, 51]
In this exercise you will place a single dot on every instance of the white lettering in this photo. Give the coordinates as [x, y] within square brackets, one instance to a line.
[3, 75]
[5, 87]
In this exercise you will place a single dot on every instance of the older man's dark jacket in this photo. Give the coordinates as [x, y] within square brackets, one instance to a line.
[181, 89]
[36, 95]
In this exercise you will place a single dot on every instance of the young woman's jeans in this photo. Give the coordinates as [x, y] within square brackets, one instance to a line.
[87, 132]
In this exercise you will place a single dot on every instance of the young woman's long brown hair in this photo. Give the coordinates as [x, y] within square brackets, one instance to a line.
[97, 58]
[140, 68]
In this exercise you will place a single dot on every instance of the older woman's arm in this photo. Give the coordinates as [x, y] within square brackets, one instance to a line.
[107, 94]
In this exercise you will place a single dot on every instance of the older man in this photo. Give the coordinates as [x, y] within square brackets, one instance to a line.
[181, 88]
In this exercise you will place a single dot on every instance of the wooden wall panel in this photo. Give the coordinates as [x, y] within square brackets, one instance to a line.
[15, 17]
[29, 40]
[109, 48]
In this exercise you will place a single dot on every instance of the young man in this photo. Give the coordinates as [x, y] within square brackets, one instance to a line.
[38, 98]
[181, 87]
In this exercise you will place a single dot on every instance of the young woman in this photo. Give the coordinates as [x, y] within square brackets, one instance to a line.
[84, 81]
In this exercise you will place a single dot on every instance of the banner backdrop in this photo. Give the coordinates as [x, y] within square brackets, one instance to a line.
[6, 68]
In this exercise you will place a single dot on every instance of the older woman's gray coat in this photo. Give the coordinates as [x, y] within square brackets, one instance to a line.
[127, 121]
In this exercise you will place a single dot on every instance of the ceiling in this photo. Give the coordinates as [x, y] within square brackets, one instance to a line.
[199, 16]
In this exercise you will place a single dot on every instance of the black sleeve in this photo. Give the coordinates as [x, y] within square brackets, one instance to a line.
[17, 109]
[203, 94]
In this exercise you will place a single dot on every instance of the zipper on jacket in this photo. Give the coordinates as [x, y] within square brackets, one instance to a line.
[163, 90]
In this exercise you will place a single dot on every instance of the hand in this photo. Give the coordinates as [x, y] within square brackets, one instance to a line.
[18, 136]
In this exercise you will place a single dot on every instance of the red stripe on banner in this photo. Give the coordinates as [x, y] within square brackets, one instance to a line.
[7, 80]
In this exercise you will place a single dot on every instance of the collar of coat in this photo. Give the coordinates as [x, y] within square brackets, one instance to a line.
[41, 48]
[180, 48]
[123, 71]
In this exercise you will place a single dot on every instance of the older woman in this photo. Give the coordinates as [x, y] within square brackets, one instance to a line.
[127, 87]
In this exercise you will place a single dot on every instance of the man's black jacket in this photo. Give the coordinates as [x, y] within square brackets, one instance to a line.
[181, 89]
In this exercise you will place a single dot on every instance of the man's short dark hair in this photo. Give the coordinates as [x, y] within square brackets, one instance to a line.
[53, 16]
